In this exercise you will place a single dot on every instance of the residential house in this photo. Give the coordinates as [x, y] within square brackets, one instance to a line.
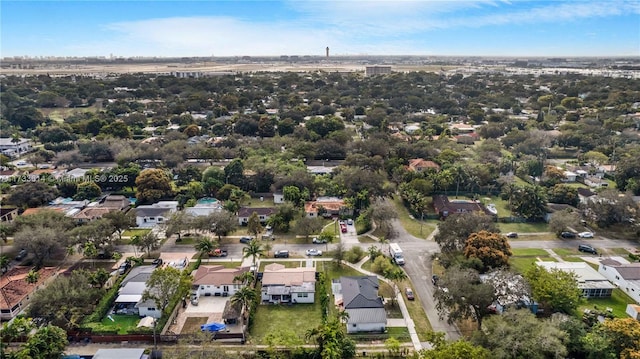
[129, 300]
[570, 176]
[217, 280]
[15, 291]
[326, 207]
[89, 214]
[204, 207]
[625, 276]
[592, 283]
[444, 207]
[8, 214]
[263, 214]
[585, 195]
[288, 285]
[467, 138]
[151, 215]
[361, 301]
[75, 174]
[461, 128]
[595, 182]
[421, 165]
[14, 147]
[118, 202]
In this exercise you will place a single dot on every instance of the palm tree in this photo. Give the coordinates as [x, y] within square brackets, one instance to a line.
[245, 296]
[395, 275]
[4, 263]
[245, 278]
[205, 245]
[253, 249]
[32, 277]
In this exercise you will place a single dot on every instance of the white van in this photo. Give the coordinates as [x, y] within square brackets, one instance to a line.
[396, 253]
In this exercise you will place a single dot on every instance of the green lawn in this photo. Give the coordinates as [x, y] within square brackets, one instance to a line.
[121, 323]
[618, 302]
[417, 228]
[286, 264]
[277, 318]
[523, 227]
[521, 264]
[135, 232]
[366, 239]
[566, 251]
[529, 252]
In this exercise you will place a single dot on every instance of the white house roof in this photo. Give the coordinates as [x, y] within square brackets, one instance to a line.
[583, 271]
[129, 298]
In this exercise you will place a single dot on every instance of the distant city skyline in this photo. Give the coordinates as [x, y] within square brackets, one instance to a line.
[273, 28]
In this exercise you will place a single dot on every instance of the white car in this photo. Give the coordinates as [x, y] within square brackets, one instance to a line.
[313, 252]
[585, 235]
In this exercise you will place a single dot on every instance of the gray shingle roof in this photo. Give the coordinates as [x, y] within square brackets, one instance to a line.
[360, 292]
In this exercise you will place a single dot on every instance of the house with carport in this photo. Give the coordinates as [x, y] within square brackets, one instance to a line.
[129, 300]
[625, 276]
[360, 299]
[217, 280]
[288, 285]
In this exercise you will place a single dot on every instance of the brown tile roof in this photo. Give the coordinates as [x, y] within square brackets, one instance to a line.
[277, 274]
[417, 164]
[216, 275]
[445, 207]
[29, 211]
[14, 287]
[92, 213]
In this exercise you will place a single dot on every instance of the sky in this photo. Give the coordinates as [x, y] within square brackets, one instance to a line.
[307, 27]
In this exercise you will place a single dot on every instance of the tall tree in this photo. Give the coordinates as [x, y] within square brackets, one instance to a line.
[332, 339]
[253, 249]
[460, 349]
[163, 285]
[529, 202]
[462, 295]
[519, 334]
[204, 246]
[454, 231]
[554, 289]
[47, 342]
[121, 221]
[152, 185]
[254, 226]
[223, 223]
[492, 249]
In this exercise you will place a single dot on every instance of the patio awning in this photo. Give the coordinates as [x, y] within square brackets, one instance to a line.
[129, 298]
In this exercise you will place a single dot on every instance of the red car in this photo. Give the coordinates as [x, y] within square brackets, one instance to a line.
[343, 228]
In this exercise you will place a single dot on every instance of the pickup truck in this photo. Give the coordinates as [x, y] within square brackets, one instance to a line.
[218, 253]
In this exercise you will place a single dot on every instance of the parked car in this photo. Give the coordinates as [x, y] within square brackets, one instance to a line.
[157, 262]
[587, 248]
[194, 299]
[124, 267]
[245, 239]
[350, 221]
[319, 241]
[409, 293]
[21, 255]
[281, 254]
[313, 252]
[585, 234]
[568, 235]
[218, 253]
[512, 235]
[343, 228]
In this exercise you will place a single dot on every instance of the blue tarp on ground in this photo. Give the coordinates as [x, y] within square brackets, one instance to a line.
[213, 327]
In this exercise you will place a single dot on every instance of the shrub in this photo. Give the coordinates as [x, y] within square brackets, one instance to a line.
[381, 264]
[354, 254]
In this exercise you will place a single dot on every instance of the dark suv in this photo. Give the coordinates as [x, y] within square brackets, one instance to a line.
[281, 254]
[568, 235]
[587, 249]
[245, 239]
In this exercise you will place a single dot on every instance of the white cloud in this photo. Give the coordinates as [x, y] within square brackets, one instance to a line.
[347, 27]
